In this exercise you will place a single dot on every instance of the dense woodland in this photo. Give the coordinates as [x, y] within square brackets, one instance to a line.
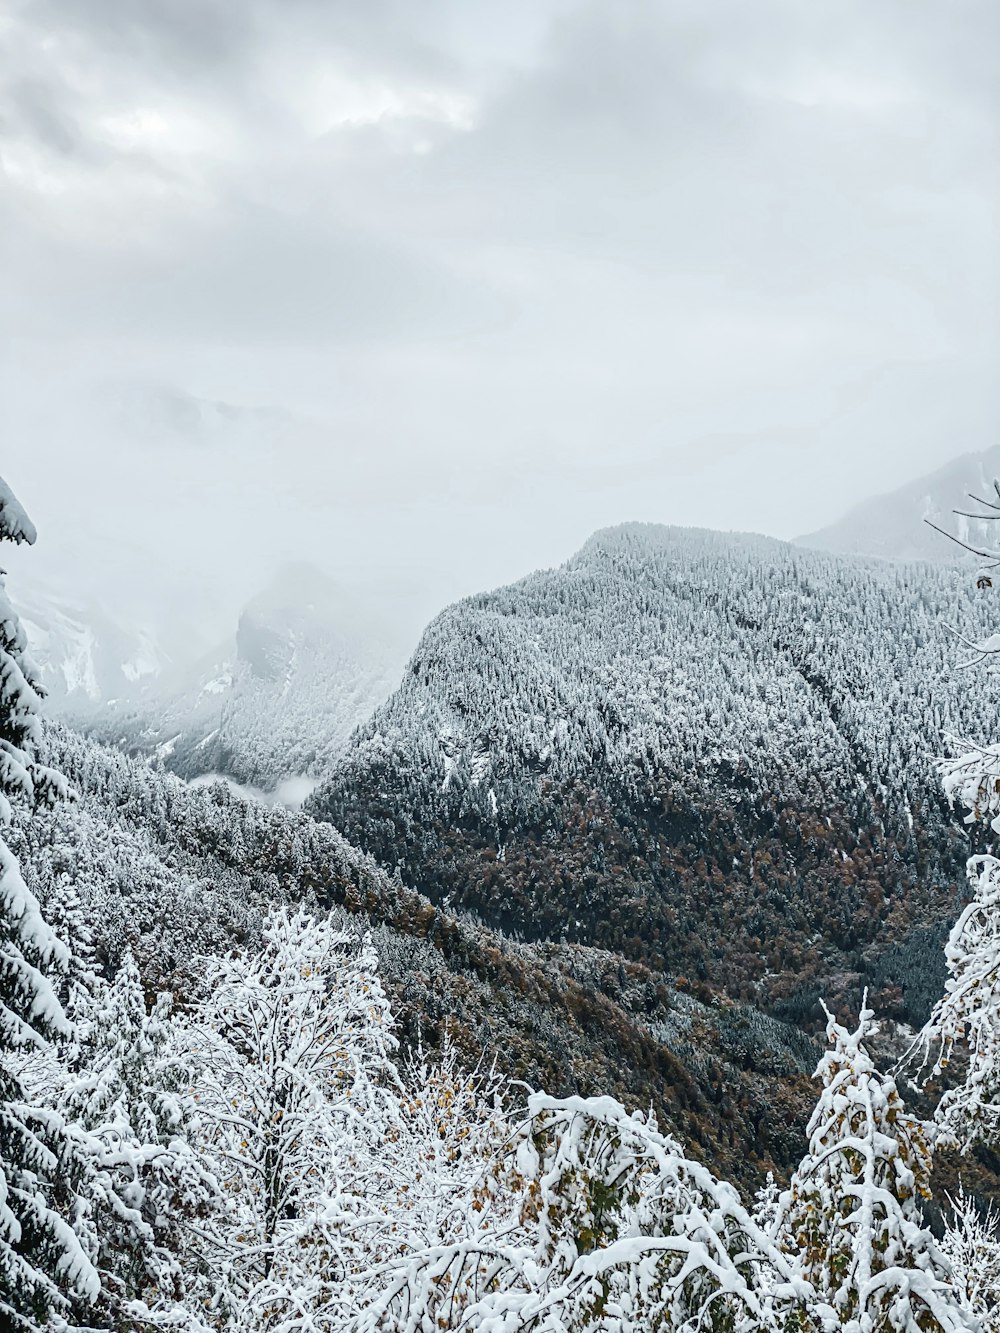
[167, 871]
[712, 754]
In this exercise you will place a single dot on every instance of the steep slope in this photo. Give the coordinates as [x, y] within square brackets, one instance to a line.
[709, 754]
[173, 871]
[892, 526]
[278, 701]
[88, 657]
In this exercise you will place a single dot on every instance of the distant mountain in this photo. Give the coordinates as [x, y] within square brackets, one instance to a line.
[88, 657]
[892, 527]
[711, 754]
[276, 702]
[157, 414]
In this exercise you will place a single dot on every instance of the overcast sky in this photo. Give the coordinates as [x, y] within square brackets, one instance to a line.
[428, 291]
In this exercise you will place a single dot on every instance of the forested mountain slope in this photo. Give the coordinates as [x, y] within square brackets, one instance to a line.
[173, 872]
[278, 701]
[710, 754]
[892, 526]
[89, 657]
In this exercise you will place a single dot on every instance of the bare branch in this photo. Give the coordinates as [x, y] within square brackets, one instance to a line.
[985, 555]
[980, 501]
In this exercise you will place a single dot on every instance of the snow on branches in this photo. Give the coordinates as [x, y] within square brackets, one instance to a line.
[971, 1244]
[290, 1055]
[852, 1214]
[590, 1218]
[966, 1020]
[967, 1016]
[260, 1165]
[43, 1266]
[15, 525]
[151, 1198]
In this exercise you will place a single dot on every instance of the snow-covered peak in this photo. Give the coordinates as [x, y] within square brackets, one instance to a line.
[675, 719]
[892, 526]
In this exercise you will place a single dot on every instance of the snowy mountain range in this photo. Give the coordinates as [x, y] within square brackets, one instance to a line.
[893, 527]
[624, 821]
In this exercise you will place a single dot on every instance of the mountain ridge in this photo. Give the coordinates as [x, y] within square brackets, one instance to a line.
[892, 526]
[671, 720]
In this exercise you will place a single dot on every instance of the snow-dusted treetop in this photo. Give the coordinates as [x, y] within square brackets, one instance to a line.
[852, 1214]
[15, 525]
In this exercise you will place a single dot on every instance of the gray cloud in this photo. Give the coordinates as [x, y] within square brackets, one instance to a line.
[496, 274]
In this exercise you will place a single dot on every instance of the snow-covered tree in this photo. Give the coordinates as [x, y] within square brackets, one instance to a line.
[292, 1079]
[78, 985]
[966, 1019]
[422, 1184]
[766, 1203]
[42, 1263]
[971, 1244]
[852, 1214]
[151, 1199]
[591, 1219]
[449, 1126]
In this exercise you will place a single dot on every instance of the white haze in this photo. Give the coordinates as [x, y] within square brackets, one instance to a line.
[426, 294]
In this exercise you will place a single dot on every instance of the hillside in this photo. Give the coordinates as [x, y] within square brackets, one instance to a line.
[89, 658]
[709, 754]
[666, 979]
[276, 702]
[173, 872]
[892, 526]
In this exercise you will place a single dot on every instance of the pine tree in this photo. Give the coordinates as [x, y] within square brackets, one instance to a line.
[765, 1204]
[150, 1195]
[42, 1263]
[852, 1215]
[67, 916]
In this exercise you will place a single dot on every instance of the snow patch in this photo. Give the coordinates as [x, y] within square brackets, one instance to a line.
[219, 685]
[166, 749]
